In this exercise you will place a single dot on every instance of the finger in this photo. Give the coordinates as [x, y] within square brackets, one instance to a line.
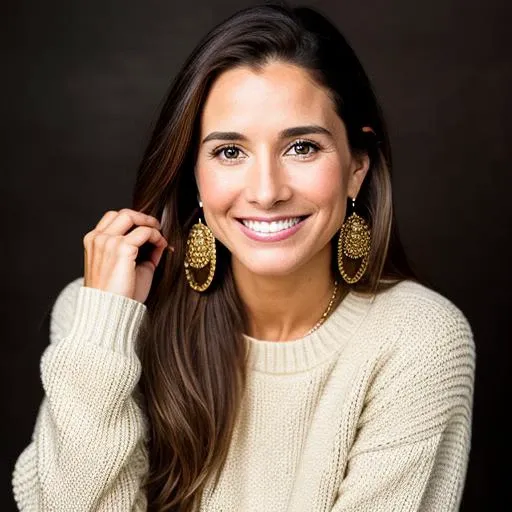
[126, 219]
[106, 220]
[143, 234]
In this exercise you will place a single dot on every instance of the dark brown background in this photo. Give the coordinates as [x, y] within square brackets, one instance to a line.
[82, 82]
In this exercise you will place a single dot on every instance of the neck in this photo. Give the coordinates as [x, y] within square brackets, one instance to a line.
[283, 308]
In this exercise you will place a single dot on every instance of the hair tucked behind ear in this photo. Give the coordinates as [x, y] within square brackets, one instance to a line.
[191, 345]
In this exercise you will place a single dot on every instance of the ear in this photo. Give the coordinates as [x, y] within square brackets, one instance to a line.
[358, 169]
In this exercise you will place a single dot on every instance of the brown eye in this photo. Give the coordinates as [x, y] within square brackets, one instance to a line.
[226, 154]
[230, 152]
[302, 149]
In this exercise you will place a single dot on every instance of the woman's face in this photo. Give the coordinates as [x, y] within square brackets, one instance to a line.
[274, 168]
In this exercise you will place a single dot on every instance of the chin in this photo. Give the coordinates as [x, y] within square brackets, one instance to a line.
[270, 267]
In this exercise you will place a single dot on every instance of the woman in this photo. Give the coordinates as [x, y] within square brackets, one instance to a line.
[281, 356]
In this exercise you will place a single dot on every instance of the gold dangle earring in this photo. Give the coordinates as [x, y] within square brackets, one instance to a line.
[200, 253]
[354, 242]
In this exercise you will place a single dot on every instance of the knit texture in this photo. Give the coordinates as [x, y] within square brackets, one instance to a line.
[370, 412]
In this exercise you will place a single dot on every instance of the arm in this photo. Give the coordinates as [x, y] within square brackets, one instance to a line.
[87, 450]
[412, 444]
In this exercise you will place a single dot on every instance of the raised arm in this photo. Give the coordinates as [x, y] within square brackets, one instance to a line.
[88, 446]
[413, 442]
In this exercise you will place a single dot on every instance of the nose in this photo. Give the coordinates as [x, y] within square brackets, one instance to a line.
[267, 183]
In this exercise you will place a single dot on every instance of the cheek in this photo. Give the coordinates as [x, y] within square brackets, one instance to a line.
[326, 185]
[216, 189]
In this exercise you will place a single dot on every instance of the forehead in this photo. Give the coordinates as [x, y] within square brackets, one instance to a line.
[279, 93]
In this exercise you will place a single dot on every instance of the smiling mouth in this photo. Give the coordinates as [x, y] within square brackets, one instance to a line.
[268, 227]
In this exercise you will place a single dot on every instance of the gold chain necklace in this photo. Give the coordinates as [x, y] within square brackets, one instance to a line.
[326, 312]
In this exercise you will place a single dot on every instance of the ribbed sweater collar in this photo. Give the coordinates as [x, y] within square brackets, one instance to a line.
[307, 352]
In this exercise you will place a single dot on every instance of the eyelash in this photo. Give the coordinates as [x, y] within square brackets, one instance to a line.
[316, 147]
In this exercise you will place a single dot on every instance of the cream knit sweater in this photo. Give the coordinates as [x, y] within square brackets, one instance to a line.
[372, 412]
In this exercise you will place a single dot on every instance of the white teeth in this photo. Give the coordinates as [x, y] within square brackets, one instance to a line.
[271, 227]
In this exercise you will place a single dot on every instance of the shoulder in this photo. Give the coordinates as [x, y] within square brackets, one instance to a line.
[422, 364]
[426, 323]
[63, 308]
[415, 306]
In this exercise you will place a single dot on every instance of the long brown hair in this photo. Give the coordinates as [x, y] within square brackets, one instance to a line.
[191, 345]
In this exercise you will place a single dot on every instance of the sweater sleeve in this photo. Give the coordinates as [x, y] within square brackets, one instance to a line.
[88, 449]
[412, 444]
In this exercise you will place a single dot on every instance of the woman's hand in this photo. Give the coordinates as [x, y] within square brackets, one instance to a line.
[110, 253]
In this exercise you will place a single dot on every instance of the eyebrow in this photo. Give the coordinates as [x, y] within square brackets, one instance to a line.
[296, 131]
